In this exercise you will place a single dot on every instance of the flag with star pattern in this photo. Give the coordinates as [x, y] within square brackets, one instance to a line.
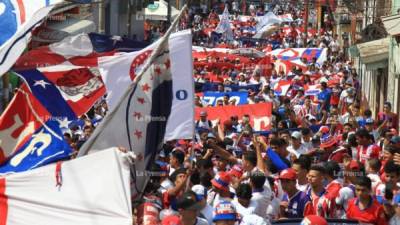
[140, 121]
[29, 136]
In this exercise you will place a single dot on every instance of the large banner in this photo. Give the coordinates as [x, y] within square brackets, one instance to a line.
[260, 114]
[211, 98]
[296, 54]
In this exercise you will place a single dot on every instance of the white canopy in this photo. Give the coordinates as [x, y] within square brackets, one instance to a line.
[159, 11]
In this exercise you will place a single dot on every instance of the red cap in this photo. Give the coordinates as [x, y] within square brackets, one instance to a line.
[221, 181]
[288, 174]
[172, 220]
[314, 220]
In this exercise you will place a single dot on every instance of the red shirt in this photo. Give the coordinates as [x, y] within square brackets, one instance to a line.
[369, 152]
[374, 214]
[216, 79]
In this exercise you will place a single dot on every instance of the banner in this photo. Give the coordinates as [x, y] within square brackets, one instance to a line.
[296, 54]
[211, 98]
[260, 114]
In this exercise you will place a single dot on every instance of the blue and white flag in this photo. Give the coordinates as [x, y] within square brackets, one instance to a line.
[30, 136]
[45, 146]
[224, 26]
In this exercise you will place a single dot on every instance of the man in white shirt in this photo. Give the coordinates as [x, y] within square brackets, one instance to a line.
[261, 196]
[296, 148]
[242, 202]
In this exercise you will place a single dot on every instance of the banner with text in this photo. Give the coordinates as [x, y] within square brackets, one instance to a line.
[211, 98]
[260, 114]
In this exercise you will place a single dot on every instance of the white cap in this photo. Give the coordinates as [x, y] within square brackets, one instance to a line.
[296, 134]
[200, 190]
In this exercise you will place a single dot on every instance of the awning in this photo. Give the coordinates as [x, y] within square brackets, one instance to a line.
[73, 26]
[391, 24]
[374, 51]
[159, 11]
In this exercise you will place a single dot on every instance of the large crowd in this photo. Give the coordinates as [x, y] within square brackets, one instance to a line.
[325, 155]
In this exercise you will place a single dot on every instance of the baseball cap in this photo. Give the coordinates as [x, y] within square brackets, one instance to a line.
[221, 181]
[172, 220]
[200, 190]
[288, 174]
[327, 140]
[314, 220]
[188, 201]
[369, 121]
[224, 211]
[395, 140]
[296, 134]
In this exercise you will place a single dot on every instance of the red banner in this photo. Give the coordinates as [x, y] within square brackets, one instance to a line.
[260, 114]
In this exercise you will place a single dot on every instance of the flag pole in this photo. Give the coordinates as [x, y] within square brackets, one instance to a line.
[87, 145]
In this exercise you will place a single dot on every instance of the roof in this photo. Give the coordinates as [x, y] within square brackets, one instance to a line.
[392, 24]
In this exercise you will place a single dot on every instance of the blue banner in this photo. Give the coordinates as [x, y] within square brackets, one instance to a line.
[211, 98]
[227, 88]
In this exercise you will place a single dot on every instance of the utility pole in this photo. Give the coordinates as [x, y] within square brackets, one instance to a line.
[129, 22]
[307, 2]
[101, 25]
[169, 13]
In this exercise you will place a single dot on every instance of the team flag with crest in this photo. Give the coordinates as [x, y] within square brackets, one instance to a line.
[158, 105]
[80, 50]
[31, 126]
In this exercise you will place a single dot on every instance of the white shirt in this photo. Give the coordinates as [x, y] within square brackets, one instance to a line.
[375, 179]
[254, 220]
[201, 221]
[302, 187]
[297, 152]
[263, 200]
[240, 209]
[395, 220]
[273, 208]
[207, 212]
[165, 185]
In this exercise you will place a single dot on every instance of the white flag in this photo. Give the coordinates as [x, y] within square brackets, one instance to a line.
[139, 120]
[92, 190]
[224, 26]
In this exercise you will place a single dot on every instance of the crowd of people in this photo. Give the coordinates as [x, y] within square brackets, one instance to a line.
[326, 155]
